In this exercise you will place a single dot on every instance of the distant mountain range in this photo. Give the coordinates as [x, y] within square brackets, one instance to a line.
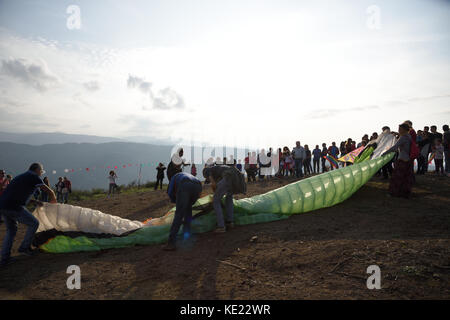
[41, 138]
[16, 158]
[84, 159]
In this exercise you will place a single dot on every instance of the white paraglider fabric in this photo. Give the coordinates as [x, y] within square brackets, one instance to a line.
[384, 141]
[64, 217]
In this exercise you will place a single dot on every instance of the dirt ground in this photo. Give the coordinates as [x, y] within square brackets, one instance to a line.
[318, 255]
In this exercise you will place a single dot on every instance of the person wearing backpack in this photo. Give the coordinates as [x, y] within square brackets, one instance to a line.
[402, 177]
[225, 181]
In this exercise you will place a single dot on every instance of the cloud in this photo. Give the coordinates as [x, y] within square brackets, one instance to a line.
[91, 86]
[136, 82]
[77, 97]
[37, 75]
[328, 113]
[165, 99]
[168, 99]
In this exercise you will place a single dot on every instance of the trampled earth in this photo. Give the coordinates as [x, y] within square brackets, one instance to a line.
[322, 254]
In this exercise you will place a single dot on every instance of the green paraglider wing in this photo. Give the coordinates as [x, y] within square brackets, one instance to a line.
[317, 192]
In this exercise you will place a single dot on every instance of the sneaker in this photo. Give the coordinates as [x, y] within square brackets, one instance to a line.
[220, 230]
[28, 251]
[170, 247]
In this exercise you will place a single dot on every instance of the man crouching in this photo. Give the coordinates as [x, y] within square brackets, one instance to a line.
[184, 190]
[221, 178]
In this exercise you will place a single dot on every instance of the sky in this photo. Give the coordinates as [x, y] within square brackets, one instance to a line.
[237, 72]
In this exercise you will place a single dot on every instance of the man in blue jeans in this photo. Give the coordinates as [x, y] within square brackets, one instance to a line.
[299, 155]
[12, 207]
[184, 190]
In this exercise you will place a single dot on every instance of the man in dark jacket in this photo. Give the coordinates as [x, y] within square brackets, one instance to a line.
[12, 207]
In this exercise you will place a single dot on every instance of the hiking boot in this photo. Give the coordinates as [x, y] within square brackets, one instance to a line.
[28, 251]
[220, 230]
[170, 247]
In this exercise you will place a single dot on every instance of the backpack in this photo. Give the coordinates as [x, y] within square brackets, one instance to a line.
[413, 150]
[237, 179]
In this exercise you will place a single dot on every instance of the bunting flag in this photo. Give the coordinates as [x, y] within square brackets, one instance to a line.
[116, 167]
[350, 157]
[333, 161]
[432, 157]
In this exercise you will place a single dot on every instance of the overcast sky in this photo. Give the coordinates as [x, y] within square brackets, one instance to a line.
[247, 72]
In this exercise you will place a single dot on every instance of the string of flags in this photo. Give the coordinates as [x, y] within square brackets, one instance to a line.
[107, 167]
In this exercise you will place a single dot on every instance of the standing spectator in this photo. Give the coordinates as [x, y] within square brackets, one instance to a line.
[66, 190]
[342, 151]
[250, 166]
[268, 166]
[307, 162]
[402, 175]
[253, 165]
[419, 136]
[159, 176]
[2, 181]
[349, 147]
[299, 155]
[194, 170]
[334, 151]
[446, 143]
[424, 147]
[412, 132]
[230, 161]
[435, 135]
[323, 156]
[279, 173]
[239, 165]
[13, 203]
[44, 194]
[289, 162]
[59, 187]
[263, 161]
[438, 150]
[176, 164]
[373, 137]
[365, 138]
[316, 159]
[112, 183]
